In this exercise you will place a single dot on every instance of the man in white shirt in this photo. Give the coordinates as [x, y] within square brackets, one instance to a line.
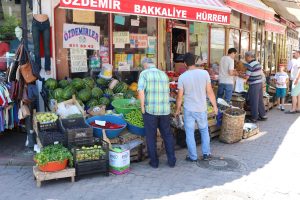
[295, 75]
[226, 75]
[292, 68]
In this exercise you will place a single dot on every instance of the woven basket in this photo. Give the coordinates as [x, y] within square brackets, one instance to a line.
[232, 125]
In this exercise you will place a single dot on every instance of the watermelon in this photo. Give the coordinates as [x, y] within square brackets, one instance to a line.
[92, 103]
[50, 94]
[68, 92]
[77, 83]
[121, 87]
[89, 82]
[118, 96]
[51, 84]
[63, 83]
[102, 82]
[108, 92]
[97, 93]
[104, 101]
[84, 95]
[129, 94]
[58, 93]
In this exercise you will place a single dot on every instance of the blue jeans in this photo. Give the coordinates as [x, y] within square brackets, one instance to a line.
[189, 126]
[44, 28]
[162, 122]
[227, 89]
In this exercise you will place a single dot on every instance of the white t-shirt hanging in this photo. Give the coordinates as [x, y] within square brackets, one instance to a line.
[36, 8]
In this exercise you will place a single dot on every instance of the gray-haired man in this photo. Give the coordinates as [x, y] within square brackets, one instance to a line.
[254, 76]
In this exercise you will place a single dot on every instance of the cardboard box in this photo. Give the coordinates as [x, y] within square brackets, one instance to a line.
[119, 162]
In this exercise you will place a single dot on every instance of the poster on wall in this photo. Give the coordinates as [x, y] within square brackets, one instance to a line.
[81, 36]
[121, 37]
[82, 16]
[78, 59]
[151, 44]
[139, 41]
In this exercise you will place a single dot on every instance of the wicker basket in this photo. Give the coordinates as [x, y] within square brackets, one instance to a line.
[232, 125]
[238, 102]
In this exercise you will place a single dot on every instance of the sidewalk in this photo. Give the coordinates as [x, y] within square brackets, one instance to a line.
[264, 167]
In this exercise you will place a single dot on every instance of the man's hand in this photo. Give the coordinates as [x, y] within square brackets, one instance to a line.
[296, 81]
[177, 113]
[143, 109]
[216, 110]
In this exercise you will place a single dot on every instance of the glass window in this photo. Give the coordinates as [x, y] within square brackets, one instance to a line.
[245, 22]
[269, 50]
[134, 38]
[234, 39]
[254, 36]
[259, 41]
[10, 31]
[199, 40]
[245, 39]
[217, 45]
[235, 19]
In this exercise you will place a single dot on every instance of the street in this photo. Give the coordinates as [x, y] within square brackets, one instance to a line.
[263, 167]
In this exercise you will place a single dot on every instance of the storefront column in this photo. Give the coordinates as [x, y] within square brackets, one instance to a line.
[161, 43]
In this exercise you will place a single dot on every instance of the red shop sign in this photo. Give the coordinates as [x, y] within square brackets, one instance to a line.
[149, 8]
[275, 28]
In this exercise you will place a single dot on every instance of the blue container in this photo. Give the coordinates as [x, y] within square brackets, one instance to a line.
[136, 130]
[109, 132]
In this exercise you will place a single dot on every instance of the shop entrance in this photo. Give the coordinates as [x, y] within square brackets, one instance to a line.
[179, 42]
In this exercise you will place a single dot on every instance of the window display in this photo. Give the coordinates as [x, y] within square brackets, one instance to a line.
[245, 43]
[199, 41]
[217, 45]
[234, 39]
[134, 38]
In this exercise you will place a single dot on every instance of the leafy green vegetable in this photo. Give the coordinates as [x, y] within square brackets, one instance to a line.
[55, 152]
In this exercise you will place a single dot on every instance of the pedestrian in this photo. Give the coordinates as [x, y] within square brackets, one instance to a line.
[292, 68]
[254, 76]
[194, 86]
[226, 75]
[153, 89]
[296, 87]
[281, 79]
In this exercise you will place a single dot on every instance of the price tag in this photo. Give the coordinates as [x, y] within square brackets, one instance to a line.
[100, 123]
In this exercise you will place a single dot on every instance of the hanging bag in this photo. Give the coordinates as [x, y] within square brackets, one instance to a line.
[25, 67]
[23, 111]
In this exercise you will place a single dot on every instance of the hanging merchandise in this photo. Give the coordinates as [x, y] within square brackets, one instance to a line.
[94, 61]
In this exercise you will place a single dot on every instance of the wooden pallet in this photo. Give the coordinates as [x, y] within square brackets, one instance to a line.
[44, 176]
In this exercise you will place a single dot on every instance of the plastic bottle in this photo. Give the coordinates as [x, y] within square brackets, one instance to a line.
[106, 71]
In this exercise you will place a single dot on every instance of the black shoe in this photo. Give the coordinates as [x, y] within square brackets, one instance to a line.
[153, 166]
[206, 157]
[172, 166]
[189, 159]
[282, 109]
[253, 120]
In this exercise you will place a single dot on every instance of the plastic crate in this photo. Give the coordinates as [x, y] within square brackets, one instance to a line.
[77, 131]
[50, 137]
[47, 126]
[91, 162]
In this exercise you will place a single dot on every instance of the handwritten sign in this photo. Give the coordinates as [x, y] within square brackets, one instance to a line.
[81, 36]
[78, 59]
[139, 41]
[121, 37]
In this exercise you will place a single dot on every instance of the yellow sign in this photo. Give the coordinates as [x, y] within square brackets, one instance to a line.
[81, 16]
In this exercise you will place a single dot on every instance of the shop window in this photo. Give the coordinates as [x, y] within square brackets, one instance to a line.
[253, 35]
[235, 19]
[134, 38]
[234, 39]
[245, 22]
[269, 50]
[85, 55]
[199, 41]
[245, 39]
[217, 44]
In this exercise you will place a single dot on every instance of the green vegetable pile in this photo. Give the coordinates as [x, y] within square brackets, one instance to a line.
[89, 153]
[55, 152]
[135, 118]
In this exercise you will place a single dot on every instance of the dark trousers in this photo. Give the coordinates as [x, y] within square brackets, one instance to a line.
[255, 95]
[162, 122]
[44, 28]
[226, 89]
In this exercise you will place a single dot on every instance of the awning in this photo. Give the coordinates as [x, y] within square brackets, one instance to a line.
[211, 11]
[253, 8]
[274, 27]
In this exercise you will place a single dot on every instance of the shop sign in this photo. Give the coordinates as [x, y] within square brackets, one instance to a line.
[275, 28]
[81, 36]
[121, 38]
[78, 59]
[150, 8]
[139, 41]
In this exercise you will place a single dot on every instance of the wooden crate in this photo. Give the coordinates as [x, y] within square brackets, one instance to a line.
[44, 176]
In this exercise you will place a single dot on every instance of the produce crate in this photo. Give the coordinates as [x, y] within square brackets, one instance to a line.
[91, 159]
[50, 137]
[47, 126]
[72, 101]
[77, 131]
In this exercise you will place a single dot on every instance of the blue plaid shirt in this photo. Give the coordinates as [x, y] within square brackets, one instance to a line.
[155, 84]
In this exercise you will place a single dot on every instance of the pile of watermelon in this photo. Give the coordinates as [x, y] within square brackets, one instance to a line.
[88, 91]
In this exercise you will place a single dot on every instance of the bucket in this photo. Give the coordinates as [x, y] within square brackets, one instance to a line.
[232, 125]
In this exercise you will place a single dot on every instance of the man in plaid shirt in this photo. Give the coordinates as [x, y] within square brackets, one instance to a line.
[153, 88]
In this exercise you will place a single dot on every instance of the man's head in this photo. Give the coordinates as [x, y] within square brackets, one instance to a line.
[294, 53]
[189, 59]
[146, 62]
[232, 52]
[297, 54]
[249, 56]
